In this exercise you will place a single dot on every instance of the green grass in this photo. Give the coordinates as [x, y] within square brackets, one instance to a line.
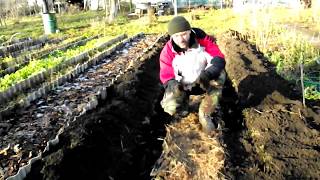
[68, 24]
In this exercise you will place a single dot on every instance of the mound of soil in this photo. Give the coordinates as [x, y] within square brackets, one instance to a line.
[280, 138]
[189, 153]
[285, 138]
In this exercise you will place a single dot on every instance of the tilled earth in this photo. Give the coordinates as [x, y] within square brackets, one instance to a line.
[280, 138]
[270, 135]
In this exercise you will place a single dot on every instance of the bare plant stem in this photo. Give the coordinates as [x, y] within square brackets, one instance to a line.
[302, 85]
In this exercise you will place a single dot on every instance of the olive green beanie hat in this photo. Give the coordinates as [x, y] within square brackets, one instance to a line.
[178, 24]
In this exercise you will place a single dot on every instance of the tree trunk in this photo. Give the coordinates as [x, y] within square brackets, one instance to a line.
[1, 24]
[175, 6]
[106, 7]
[45, 7]
[151, 16]
[85, 5]
[3, 20]
[113, 10]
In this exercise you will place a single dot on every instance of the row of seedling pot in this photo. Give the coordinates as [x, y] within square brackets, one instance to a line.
[10, 58]
[14, 64]
[39, 65]
[9, 49]
[34, 80]
[99, 96]
[15, 40]
[39, 45]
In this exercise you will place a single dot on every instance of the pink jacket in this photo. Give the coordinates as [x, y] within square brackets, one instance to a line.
[168, 54]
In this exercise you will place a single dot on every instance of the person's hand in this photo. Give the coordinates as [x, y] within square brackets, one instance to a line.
[204, 80]
[173, 97]
[172, 85]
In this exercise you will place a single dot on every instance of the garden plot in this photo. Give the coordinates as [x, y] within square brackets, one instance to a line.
[116, 130]
[33, 126]
[28, 44]
[260, 109]
[15, 40]
[42, 71]
[15, 54]
[119, 129]
[12, 64]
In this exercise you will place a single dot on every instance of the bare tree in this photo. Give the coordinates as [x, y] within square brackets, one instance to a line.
[2, 16]
[175, 6]
[2, 21]
[113, 10]
[106, 7]
[85, 4]
[45, 7]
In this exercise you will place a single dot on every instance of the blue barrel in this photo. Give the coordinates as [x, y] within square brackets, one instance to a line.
[49, 23]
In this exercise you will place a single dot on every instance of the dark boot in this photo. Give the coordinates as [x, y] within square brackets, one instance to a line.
[206, 110]
[209, 104]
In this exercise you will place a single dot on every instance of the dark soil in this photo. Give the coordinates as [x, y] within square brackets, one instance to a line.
[280, 137]
[117, 140]
[29, 129]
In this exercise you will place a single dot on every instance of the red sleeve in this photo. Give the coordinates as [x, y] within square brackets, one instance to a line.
[166, 58]
[210, 47]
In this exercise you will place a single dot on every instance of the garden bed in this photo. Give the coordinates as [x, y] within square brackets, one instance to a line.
[12, 64]
[42, 71]
[280, 138]
[33, 126]
[26, 45]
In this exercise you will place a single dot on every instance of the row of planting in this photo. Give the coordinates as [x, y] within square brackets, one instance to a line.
[99, 94]
[39, 70]
[22, 46]
[43, 50]
[10, 65]
[15, 50]
[28, 48]
[14, 41]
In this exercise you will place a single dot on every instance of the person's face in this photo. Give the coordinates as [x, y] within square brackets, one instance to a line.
[182, 39]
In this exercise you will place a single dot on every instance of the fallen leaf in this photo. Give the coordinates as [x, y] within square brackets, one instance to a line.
[4, 151]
